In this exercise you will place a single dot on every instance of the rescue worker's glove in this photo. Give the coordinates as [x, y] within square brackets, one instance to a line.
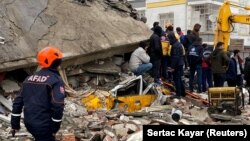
[55, 126]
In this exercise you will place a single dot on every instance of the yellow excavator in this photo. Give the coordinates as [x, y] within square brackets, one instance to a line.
[225, 22]
[226, 98]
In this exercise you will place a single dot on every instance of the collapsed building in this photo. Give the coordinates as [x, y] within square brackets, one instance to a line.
[92, 34]
[83, 31]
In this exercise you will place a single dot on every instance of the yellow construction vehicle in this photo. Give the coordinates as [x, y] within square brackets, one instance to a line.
[226, 98]
[225, 22]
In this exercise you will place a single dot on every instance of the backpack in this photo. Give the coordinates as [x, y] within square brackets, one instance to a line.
[206, 56]
[165, 47]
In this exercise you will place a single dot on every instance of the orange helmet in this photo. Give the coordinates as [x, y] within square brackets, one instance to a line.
[47, 56]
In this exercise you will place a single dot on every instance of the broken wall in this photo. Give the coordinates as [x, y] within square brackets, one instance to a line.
[84, 33]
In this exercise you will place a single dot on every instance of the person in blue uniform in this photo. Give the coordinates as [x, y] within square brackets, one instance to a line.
[41, 98]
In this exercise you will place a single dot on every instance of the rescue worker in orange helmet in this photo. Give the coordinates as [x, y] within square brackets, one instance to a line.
[42, 98]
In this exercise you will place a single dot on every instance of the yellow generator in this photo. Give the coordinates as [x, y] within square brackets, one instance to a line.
[224, 100]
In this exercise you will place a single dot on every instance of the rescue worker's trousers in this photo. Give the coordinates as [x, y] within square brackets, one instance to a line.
[44, 137]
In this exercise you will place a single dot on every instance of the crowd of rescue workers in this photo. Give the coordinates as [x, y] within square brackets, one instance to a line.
[169, 53]
[165, 57]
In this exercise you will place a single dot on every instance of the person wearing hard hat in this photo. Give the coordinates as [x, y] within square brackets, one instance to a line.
[42, 98]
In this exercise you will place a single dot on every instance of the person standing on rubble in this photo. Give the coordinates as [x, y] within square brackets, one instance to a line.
[231, 74]
[206, 68]
[192, 36]
[155, 53]
[154, 25]
[169, 29]
[195, 63]
[247, 71]
[219, 65]
[139, 62]
[239, 69]
[42, 97]
[187, 43]
[247, 74]
[177, 52]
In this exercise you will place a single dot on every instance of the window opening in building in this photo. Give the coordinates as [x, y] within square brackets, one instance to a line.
[166, 18]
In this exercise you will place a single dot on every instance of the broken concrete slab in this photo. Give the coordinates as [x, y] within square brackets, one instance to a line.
[136, 136]
[107, 67]
[9, 86]
[5, 118]
[73, 109]
[31, 25]
[222, 117]
[120, 129]
[2, 110]
[109, 131]
[6, 103]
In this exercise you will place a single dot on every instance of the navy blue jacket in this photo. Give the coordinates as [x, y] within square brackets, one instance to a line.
[155, 47]
[195, 53]
[176, 55]
[42, 99]
[231, 73]
[247, 69]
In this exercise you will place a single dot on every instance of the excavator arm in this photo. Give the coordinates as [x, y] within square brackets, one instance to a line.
[244, 19]
[225, 20]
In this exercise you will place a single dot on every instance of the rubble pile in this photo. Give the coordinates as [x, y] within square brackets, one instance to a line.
[117, 125]
[104, 79]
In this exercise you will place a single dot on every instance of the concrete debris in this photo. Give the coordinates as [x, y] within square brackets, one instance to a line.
[69, 137]
[124, 118]
[118, 124]
[32, 25]
[108, 138]
[2, 40]
[6, 103]
[118, 60]
[9, 86]
[125, 67]
[2, 110]
[109, 131]
[135, 137]
[120, 129]
[84, 78]
[222, 117]
[108, 67]
[73, 109]
[5, 118]
[74, 71]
